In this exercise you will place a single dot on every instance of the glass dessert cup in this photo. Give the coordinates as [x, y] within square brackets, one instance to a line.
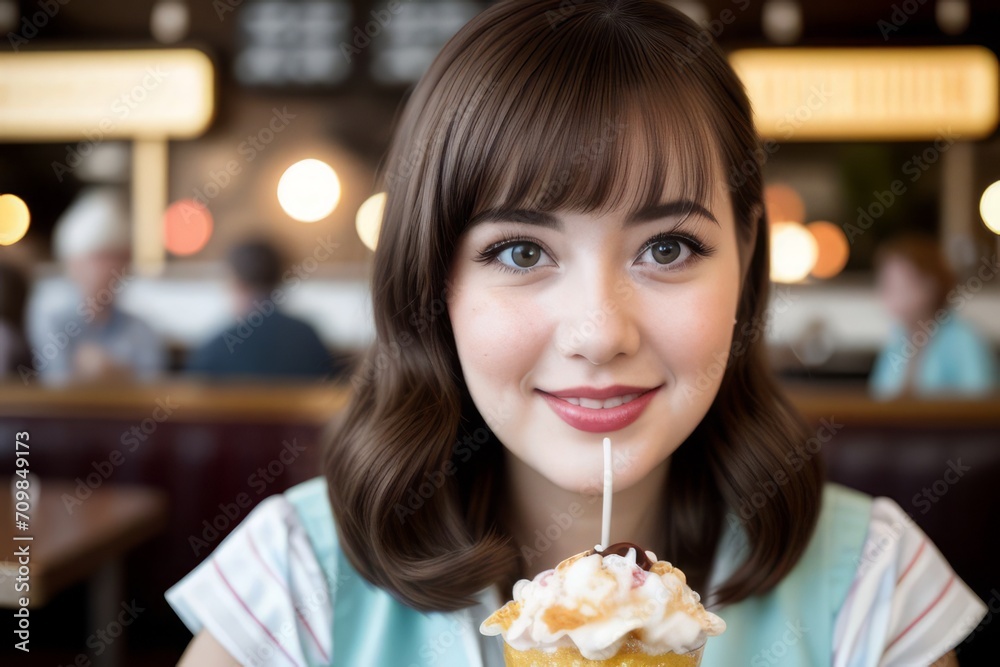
[618, 598]
[630, 655]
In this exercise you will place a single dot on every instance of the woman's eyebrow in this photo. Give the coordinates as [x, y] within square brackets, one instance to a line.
[667, 210]
[681, 207]
[515, 215]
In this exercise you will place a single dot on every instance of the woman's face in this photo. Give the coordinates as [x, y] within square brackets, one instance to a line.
[905, 292]
[572, 327]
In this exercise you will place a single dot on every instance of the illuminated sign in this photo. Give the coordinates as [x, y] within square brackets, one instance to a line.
[807, 94]
[67, 96]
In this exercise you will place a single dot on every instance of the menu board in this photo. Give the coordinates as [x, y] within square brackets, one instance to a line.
[313, 43]
[297, 43]
[410, 37]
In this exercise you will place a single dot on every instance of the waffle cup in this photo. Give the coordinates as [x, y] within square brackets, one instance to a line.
[630, 655]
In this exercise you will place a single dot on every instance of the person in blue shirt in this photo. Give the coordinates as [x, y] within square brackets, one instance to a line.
[264, 342]
[573, 245]
[932, 350]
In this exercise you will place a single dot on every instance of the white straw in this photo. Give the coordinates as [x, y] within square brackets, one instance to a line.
[608, 487]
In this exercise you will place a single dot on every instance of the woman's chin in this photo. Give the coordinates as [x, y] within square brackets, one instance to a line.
[628, 466]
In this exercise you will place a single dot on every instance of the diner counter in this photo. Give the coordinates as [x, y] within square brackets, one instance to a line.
[315, 403]
[244, 401]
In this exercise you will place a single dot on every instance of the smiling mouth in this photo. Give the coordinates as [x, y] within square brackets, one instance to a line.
[596, 415]
[598, 404]
[594, 398]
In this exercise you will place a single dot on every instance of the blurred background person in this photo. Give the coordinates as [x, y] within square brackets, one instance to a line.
[93, 339]
[931, 350]
[13, 345]
[263, 341]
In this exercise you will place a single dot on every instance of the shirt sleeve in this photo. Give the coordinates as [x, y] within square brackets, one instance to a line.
[886, 373]
[56, 369]
[150, 358]
[262, 593]
[971, 364]
[906, 606]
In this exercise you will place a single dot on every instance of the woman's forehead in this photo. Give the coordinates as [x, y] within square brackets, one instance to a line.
[680, 193]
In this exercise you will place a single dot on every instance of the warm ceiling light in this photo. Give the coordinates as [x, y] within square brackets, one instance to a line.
[14, 219]
[187, 226]
[989, 207]
[781, 21]
[309, 190]
[831, 242]
[783, 204]
[169, 21]
[952, 16]
[369, 219]
[793, 252]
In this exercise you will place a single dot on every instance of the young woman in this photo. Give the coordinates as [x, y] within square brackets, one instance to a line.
[573, 245]
[932, 350]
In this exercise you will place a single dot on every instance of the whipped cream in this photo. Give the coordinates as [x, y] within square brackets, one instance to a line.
[595, 603]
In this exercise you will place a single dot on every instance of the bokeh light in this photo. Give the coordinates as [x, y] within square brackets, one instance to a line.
[989, 207]
[309, 190]
[169, 21]
[14, 219]
[793, 252]
[187, 226]
[781, 21]
[783, 204]
[952, 16]
[369, 219]
[831, 242]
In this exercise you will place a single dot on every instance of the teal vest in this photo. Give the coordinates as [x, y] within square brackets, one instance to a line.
[791, 625]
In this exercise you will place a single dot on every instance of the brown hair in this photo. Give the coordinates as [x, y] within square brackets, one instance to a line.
[923, 252]
[548, 104]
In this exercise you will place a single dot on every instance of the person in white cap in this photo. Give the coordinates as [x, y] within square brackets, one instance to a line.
[96, 340]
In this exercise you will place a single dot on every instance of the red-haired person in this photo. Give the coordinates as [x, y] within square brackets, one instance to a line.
[573, 246]
[932, 350]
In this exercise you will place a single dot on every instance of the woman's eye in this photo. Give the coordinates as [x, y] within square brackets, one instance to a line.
[520, 255]
[666, 252]
[523, 255]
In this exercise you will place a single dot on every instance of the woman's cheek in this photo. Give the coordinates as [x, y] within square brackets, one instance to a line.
[717, 340]
[498, 337]
[693, 330]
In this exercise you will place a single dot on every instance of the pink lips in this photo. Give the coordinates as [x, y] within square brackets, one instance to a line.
[599, 420]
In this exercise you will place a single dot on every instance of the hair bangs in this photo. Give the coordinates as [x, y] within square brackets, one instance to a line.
[591, 139]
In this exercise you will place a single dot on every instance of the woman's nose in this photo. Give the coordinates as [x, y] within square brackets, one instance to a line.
[596, 318]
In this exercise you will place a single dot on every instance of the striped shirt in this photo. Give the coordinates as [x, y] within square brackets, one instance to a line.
[263, 595]
[905, 606]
